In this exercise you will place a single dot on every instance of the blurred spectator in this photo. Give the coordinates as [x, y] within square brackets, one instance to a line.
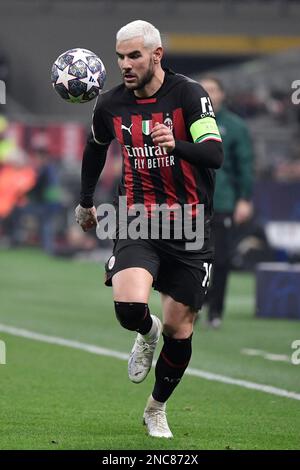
[288, 171]
[6, 144]
[247, 104]
[233, 191]
[106, 190]
[17, 177]
[43, 201]
[76, 242]
[288, 167]
[262, 102]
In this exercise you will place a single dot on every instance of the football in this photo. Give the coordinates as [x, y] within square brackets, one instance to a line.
[78, 75]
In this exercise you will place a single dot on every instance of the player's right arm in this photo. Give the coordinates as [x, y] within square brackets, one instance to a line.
[94, 157]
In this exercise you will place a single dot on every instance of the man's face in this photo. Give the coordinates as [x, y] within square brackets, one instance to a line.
[135, 62]
[217, 95]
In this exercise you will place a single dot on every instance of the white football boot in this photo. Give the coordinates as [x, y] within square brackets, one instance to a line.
[155, 419]
[141, 356]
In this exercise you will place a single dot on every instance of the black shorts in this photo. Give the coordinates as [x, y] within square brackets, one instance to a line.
[184, 275]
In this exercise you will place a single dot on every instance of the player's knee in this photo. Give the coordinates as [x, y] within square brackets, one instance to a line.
[131, 314]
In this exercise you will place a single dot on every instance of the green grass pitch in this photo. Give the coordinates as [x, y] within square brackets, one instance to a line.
[56, 397]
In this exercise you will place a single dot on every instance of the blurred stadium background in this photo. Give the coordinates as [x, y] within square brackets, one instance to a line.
[51, 274]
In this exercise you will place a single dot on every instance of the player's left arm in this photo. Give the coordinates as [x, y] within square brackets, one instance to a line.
[206, 149]
[94, 157]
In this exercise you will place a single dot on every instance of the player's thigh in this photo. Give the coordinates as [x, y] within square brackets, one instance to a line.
[132, 285]
[131, 270]
[178, 319]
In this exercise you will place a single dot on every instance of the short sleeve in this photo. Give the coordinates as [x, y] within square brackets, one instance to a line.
[199, 114]
[100, 128]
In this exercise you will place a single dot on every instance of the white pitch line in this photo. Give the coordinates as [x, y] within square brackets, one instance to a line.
[267, 355]
[119, 355]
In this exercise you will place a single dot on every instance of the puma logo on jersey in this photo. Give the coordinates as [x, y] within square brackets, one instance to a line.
[128, 129]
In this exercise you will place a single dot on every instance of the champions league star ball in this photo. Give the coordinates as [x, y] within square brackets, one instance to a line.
[78, 75]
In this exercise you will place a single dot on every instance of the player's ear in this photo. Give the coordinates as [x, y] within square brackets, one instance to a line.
[157, 54]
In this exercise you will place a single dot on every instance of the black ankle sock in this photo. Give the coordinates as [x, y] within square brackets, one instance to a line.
[172, 362]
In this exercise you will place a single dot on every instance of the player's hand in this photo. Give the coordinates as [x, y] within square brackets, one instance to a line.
[243, 211]
[86, 217]
[163, 137]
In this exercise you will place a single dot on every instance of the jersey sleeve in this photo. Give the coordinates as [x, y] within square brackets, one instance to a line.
[100, 128]
[199, 114]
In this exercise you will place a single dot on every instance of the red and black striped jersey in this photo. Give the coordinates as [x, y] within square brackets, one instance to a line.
[151, 175]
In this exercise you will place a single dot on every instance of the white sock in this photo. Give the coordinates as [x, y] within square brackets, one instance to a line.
[151, 403]
[152, 334]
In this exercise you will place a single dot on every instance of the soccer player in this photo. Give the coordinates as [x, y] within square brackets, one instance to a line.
[170, 143]
[233, 192]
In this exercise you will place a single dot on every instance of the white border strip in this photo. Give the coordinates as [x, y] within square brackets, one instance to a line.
[118, 355]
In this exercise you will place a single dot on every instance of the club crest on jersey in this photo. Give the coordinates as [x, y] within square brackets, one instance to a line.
[147, 127]
[111, 262]
[169, 123]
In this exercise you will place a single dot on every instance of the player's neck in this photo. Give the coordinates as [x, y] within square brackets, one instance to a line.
[151, 88]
